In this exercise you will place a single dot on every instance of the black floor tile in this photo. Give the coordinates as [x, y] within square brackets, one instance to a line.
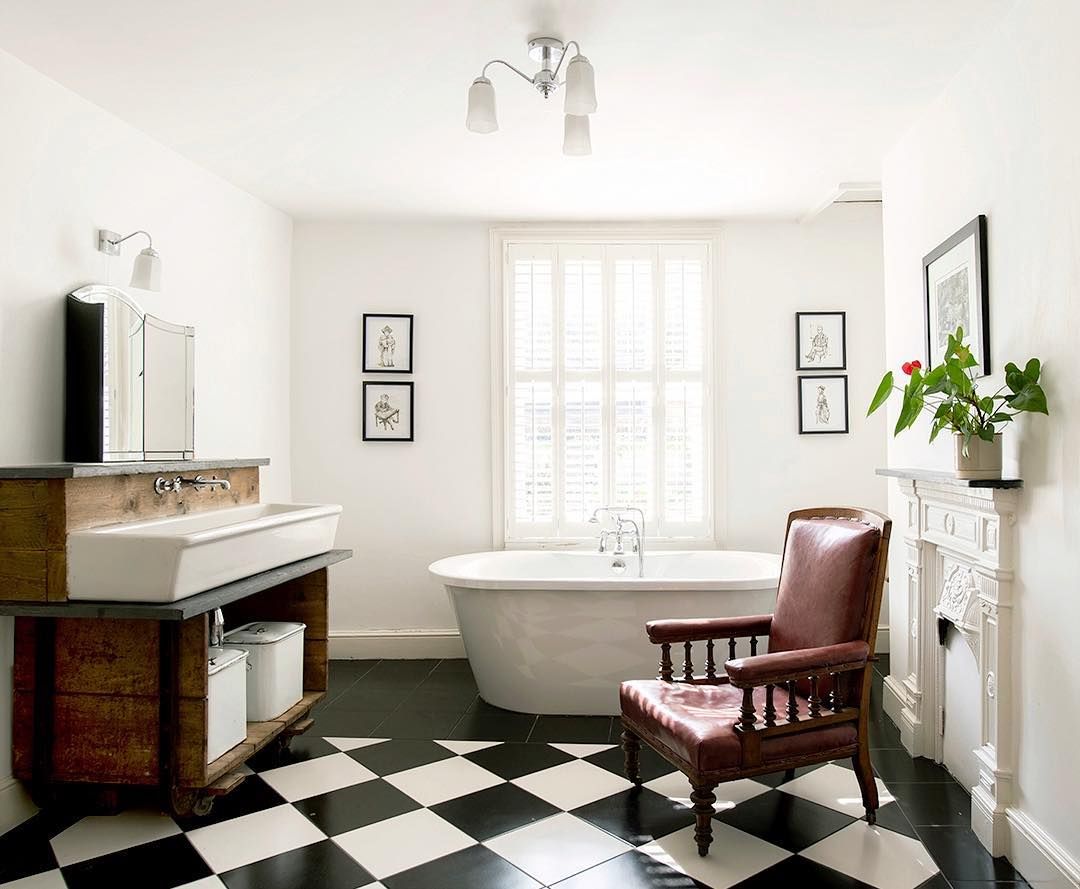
[892, 817]
[301, 749]
[651, 764]
[490, 725]
[785, 820]
[572, 729]
[401, 671]
[343, 674]
[418, 724]
[933, 804]
[895, 764]
[369, 695]
[883, 664]
[514, 759]
[435, 697]
[391, 757]
[937, 881]
[631, 870]
[254, 795]
[987, 884]
[25, 850]
[883, 734]
[637, 815]
[454, 665]
[324, 865]
[335, 723]
[161, 864]
[476, 868]
[803, 873]
[494, 811]
[775, 779]
[340, 811]
[960, 855]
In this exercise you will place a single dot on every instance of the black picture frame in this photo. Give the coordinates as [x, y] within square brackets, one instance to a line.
[980, 340]
[847, 415]
[396, 384]
[364, 336]
[800, 355]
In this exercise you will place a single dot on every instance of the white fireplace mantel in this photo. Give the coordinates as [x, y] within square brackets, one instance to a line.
[959, 544]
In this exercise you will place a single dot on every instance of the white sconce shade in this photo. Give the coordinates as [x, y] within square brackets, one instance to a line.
[576, 140]
[481, 116]
[580, 87]
[146, 273]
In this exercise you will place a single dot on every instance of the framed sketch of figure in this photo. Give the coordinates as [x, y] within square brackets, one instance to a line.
[823, 404]
[388, 344]
[820, 340]
[388, 411]
[957, 294]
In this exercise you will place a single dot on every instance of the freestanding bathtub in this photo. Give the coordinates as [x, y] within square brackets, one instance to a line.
[556, 632]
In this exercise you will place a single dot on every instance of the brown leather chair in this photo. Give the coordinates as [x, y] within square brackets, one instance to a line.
[804, 702]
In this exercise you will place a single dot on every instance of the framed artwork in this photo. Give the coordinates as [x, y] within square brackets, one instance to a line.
[820, 340]
[823, 404]
[957, 294]
[388, 411]
[388, 344]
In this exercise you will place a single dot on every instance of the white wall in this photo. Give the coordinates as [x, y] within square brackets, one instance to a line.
[409, 504]
[68, 168]
[1002, 140]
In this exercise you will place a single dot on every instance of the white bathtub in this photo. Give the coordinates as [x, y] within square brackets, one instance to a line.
[556, 632]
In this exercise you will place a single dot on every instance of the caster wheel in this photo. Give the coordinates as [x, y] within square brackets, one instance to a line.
[202, 806]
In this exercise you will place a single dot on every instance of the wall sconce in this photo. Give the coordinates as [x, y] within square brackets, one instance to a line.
[146, 273]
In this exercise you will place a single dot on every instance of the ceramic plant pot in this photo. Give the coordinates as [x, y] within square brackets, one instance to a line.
[983, 459]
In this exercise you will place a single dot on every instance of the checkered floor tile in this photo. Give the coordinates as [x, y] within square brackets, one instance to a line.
[347, 813]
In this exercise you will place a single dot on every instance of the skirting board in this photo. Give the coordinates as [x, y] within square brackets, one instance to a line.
[1038, 856]
[396, 644]
[881, 645]
[15, 804]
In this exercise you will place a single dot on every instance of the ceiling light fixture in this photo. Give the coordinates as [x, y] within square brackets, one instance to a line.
[146, 273]
[580, 85]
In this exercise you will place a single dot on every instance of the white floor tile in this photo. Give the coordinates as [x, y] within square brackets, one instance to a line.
[835, 787]
[676, 786]
[254, 837]
[581, 750]
[396, 844]
[102, 834]
[446, 779]
[463, 747]
[320, 775]
[734, 856]
[345, 744]
[50, 879]
[557, 847]
[572, 784]
[875, 855]
[204, 883]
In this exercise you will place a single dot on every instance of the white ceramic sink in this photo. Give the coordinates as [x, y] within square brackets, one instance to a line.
[162, 560]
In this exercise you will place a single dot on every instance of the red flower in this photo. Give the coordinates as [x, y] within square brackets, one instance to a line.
[907, 367]
[917, 363]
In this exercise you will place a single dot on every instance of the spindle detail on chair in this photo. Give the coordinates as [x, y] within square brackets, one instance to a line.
[688, 664]
[746, 714]
[770, 706]
[731, 648]
[753, 646]
[792, 702]
[667, 670]
[710, 662]
[815, 698]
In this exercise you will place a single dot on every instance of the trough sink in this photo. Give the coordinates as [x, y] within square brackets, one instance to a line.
[162, 560]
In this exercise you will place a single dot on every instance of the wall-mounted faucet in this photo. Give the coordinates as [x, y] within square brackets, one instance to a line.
[164, 485]
[636, 532]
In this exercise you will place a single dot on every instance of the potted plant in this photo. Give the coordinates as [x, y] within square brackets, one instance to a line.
[949, 393]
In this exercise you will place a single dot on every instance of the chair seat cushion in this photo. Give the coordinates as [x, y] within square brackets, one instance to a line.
[697, 723]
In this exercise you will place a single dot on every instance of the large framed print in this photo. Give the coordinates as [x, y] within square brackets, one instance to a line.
[957, 294]
[388, 344]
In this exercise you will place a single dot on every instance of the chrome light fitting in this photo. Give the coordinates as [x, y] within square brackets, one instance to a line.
[146, 273]
[580, 85]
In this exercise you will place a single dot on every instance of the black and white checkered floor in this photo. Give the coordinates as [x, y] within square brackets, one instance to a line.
[417, 813]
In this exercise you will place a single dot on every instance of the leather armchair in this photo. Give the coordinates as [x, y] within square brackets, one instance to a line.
[803, 702]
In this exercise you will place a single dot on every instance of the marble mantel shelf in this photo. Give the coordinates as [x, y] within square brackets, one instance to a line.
[88, 470]
[947, 478]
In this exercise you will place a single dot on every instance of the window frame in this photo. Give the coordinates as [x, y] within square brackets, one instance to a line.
[616, 237]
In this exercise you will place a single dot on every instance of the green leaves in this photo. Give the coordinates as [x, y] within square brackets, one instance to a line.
[1027, 394]
[884, 389]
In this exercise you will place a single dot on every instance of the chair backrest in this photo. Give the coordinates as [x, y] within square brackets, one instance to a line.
[831, 579]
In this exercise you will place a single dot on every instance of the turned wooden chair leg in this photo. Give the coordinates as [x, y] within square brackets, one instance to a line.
[789, 775]
[864, 772]
[703, 798]
[631, 746]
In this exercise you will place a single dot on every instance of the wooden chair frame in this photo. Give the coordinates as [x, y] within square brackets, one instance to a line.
[818, 666]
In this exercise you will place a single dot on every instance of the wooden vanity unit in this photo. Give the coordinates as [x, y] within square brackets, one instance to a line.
[112, 696]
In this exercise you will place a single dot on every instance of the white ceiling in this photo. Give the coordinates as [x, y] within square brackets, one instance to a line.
[708, 108]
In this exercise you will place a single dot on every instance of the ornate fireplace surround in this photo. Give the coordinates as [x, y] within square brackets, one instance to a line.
[958, 538]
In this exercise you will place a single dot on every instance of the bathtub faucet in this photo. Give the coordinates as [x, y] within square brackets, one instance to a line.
[634, 529]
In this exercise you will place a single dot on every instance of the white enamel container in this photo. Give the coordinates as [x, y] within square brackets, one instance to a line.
[275, 666]
[226, 718]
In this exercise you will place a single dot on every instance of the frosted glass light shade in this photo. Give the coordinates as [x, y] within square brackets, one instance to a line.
[580, 87]
[146, 273]
[576, 140]
[481, 115]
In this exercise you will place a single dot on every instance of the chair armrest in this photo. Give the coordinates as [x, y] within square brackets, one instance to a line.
[699, 629]
[781, 666]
